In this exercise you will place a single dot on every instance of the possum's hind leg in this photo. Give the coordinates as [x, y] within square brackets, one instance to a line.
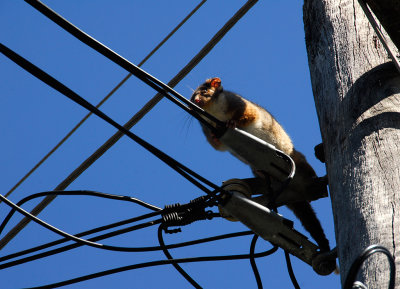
[305, 213]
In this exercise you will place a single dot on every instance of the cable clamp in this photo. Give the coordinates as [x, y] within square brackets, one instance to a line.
[177, 215]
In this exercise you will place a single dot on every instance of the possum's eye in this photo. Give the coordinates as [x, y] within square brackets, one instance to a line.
[203, 91]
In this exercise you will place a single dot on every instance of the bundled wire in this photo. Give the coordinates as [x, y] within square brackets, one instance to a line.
[111, 141]
[51, 81]
[156, 263]
[218, 128]
[150, 80]
[173, 215]
[184, 214]
[65, 234]
[65, 138]
[77, 193]
[152, 264]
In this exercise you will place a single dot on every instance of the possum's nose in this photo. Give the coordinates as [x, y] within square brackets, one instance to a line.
[198, 101]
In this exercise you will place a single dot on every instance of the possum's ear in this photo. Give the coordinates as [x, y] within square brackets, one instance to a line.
[215, 82]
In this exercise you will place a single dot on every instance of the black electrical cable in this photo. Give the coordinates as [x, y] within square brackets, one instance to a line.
[351, 276]
[290, 270]
[147, 57]
[169, 257]
[64, 234]
[76, 245]
[152, 264]
[101, 237]
[76, 193]
[132, 68]
[151, 81]
[89, 242]
[49, 80]
[101, 150]
[85, 233]
[253, 262]
[285, 183]
[108, 235]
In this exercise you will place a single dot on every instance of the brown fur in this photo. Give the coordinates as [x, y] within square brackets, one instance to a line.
[249, 115]
[302, 164]
[235, 110]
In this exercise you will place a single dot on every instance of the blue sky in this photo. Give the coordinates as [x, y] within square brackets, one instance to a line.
[263, 58]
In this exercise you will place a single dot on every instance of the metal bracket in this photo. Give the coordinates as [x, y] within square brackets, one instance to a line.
[260, 219]
[265, 157]
[276, 229]
[258, 153]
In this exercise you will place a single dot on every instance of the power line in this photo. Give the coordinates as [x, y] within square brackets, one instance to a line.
[77, 193]
[155, 263]
[99, 152]
[187, 211]
[253, 262]
[176, 266]
[147, 78]
[99, 229]
[184, 171]
[101, 237]
[64, 139]
[65, 234]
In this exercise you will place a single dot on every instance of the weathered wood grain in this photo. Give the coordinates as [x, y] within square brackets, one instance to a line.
[357, 98]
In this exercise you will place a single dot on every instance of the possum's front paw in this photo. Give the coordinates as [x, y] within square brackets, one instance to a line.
[215, 141]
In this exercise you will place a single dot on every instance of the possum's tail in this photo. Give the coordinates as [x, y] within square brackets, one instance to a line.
[305, 213]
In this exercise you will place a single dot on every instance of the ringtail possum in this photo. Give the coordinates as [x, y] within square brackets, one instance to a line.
[239, 112]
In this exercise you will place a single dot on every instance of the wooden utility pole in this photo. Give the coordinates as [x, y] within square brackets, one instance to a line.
[357, 97]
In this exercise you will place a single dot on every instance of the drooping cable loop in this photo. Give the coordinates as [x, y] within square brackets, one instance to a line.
[67, 235]
[253, 262]
[76, 193]
[152, 264]
[186, 214]
[169, 257]
[373, 249]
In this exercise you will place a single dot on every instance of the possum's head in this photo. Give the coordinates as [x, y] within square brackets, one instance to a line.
[207, 93]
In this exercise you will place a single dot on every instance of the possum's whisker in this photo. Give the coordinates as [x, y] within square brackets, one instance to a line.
[186, 124]
[190, 88]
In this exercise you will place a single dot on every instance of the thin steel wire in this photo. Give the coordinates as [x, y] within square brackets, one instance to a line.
[110, 142]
